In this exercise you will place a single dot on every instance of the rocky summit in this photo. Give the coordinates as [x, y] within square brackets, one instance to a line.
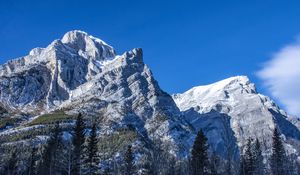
[82, 74]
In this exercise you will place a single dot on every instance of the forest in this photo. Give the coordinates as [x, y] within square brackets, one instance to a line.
[84, 153]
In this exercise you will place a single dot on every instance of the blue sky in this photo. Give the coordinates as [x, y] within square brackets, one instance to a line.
[185, 43]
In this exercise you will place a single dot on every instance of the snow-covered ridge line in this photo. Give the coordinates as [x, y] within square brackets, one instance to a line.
[249, 114]
[80, 73]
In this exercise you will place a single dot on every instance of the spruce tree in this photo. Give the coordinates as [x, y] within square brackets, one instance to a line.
[242, 165]
[199, 157]
[214, 163]
[78, 143]
[49, 156]
[32, 169]
[128, 158]
[249, 158]
[258, 159]
[11, 167]
[66, 158]
[92, 159]
[278, 157]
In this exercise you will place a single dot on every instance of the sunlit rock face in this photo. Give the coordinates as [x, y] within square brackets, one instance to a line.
[231, 111]
[80, 73]
[47, 76]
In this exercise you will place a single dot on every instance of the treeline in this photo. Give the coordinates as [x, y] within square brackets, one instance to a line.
[279, 163]
[79, 154]
[76, 156]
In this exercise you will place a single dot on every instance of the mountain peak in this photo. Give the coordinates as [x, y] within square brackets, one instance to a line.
[235, 82]
[240, 78]
[94, 47]
[78, 35]
[226, 90]
[73, 36]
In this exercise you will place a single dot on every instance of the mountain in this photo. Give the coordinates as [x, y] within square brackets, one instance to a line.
[231, 111]
[82, 74]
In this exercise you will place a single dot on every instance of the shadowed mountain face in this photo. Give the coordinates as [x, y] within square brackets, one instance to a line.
[80, 73]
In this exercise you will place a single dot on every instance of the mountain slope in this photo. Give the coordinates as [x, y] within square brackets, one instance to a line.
[80, 73]
[235, 103]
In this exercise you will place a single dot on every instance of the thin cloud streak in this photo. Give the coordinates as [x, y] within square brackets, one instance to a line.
[281, 75]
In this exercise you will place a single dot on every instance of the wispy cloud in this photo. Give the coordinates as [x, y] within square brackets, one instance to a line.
[281, 75]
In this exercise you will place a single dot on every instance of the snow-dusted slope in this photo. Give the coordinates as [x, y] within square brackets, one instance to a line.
[46, 77]
[80, 73]
[235, 105]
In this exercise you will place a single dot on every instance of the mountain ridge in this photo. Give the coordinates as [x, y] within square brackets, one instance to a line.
[251, 114]
[82, 74]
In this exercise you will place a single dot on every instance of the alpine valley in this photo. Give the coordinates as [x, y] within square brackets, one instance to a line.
[82, 74]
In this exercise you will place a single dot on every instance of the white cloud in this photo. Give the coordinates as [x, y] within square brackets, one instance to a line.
[281, 76]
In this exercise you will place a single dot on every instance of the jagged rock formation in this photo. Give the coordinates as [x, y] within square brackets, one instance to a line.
[80, 73]
[232, 110]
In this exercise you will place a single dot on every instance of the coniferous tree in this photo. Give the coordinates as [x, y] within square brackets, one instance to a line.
[242, 165]
[259, 168]
[107, 171]
[171, 166]
[50, 162]
[78, 143]
[146, 164]
[92, 159]
[199, 157]
[32, 169]
[214, 163]
[11, 167]
[249, 158]
[128, 158]
[290, 167]
[278, 157]
[66, 158]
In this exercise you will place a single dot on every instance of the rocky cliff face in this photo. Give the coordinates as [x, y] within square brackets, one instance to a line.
[231, 111]
[47, 76]
[80, 73]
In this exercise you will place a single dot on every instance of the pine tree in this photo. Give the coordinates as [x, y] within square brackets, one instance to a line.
[49, 156]
[249, 158]
[11, 168]
[214, 163]
[92, 159]
[258, 159]
[128, 158]
[199, 157]
[242, 165]
[78, 143]
[66, 158]
[32, 169]
[278, 157]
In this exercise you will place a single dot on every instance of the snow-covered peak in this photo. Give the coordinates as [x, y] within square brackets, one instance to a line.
[235, 103]
[243, 80]
[237, 82]
[36, 51]
[91, 46]
[227, 90]
[73, 35]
